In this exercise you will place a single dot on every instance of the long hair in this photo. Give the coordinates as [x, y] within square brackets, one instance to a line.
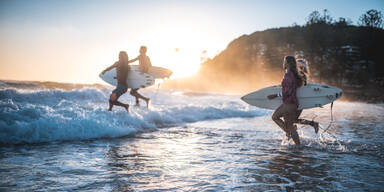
[291, 62]
[123, 57]
[303, 70]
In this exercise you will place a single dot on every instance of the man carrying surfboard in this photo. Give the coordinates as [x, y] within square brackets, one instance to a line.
[122, 69]
[288, 110]
[144, 64]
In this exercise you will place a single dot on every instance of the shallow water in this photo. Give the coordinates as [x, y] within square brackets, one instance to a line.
[67, 141]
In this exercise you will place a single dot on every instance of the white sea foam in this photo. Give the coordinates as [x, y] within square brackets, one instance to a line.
[35, 116]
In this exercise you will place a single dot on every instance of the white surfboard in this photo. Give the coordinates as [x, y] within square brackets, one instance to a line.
[309, 96]
[135, 79]
[155, 72]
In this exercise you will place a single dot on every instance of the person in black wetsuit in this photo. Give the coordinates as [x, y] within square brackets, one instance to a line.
[144, 64]
[122, 69]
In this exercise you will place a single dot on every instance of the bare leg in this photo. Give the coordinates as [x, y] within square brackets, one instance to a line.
[110, 105]
[147, 101]
[113, 101]
[276, 117]
[112, 98]
[292, 131]
[118, 103]
[289, 119]
[138, 96]
[295, 135]
[137, 101]
[314, 124]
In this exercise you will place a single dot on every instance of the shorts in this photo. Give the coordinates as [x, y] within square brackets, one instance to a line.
[120, 90]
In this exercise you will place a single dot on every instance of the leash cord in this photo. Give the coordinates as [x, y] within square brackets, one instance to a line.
[330, 123]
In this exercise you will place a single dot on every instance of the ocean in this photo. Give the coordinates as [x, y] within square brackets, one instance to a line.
[60, 137]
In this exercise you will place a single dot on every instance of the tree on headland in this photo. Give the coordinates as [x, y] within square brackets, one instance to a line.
[372, 18]
[316, 18]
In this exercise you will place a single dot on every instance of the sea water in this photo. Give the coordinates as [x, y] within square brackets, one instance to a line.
[55, 138]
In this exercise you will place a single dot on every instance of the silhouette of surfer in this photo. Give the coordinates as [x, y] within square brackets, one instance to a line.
[122, 69]
[144, 65]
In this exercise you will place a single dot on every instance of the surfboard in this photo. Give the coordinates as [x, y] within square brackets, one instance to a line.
[135, 79]
[155, 72]
[309, 96]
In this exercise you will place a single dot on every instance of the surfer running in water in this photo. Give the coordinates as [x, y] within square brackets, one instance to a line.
[144, 64]
[122, 69]
[288, 109]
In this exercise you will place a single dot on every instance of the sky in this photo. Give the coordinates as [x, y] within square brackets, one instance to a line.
[74, 40]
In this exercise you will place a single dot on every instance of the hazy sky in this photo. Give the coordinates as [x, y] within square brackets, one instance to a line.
[73, 41]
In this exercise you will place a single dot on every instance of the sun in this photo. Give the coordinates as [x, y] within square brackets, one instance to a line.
[179, 43]
[183, 61]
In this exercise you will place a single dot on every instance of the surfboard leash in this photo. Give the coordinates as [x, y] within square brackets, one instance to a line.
[330, 123]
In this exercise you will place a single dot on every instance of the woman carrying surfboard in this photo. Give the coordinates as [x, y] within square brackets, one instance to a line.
[288, 110]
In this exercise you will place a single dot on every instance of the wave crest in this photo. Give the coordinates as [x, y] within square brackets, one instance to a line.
[56, 115]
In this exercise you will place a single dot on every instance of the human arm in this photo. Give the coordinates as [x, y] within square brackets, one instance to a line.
[274, 96]
[109, 68]
[133, 60]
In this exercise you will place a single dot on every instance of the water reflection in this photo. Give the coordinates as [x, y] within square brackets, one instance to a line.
[216, 156]
[179, 160]
[300, 169]
[163, 163]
